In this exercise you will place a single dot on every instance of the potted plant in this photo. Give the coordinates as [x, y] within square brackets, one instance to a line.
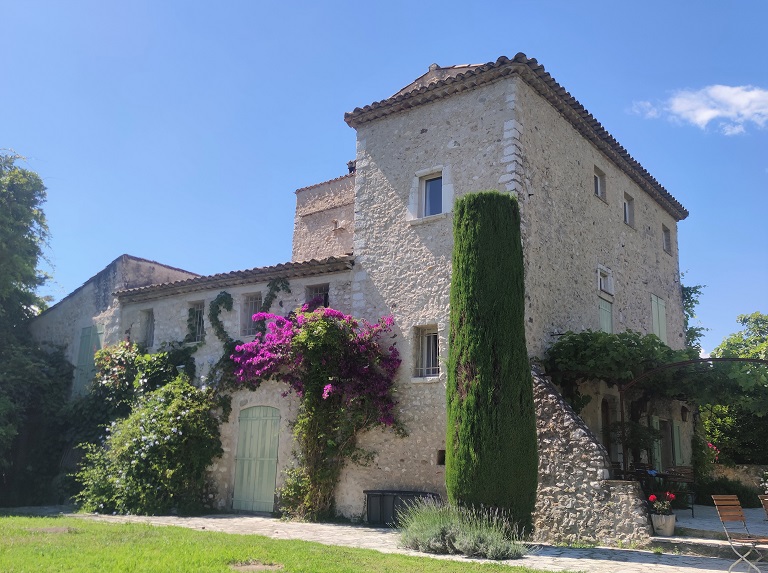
[661, 514]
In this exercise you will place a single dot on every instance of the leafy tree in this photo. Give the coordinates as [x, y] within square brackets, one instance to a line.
[23, 232]
[491, 444]
[693, 333]
[33, 384]
[738, 426]
[751, 342]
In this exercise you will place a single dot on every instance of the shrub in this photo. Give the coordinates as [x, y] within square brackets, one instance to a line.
[154, 461]
[724, 486]
[433, 527]
[491, 444]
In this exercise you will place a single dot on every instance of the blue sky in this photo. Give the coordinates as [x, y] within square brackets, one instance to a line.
[178, 130]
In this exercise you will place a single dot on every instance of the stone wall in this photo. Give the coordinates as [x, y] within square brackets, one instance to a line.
[568, 231]
[94, 304]
[324, 222]
[747, 474]
[575, 501]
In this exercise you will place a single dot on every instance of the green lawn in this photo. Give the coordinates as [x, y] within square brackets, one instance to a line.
[51, 544]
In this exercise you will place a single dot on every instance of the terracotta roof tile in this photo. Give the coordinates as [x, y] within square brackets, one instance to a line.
[236, 278]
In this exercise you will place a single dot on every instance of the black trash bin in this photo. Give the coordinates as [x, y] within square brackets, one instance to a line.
[383, 504]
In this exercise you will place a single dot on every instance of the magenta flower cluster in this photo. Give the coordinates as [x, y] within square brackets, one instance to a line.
[328, 356]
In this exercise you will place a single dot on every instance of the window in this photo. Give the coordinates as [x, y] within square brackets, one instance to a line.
[599, 179]
[629, 210]
[196, 322]
[148, 328]
[251, 305]
[318, 295]
[666, 239]
[427, 352]
[659, 317]
[433, 196]
[604, 279]
[606, 316]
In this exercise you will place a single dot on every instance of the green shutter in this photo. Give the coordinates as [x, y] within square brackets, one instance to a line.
[678, 444]
[662, 306]
[91, 340]
[606, 316]
[256, 459]
[656, 462]
[659, 317]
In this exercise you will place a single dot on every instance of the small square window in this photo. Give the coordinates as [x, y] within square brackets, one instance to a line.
[432, 196]
[196, 322]
[604, 279]
[318, 295]
[599, 181]
[251, 305]
[666, 238]
[629, 210]
[427, 352]
[148, 328]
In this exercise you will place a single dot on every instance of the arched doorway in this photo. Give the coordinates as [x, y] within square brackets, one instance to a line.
[256, 459]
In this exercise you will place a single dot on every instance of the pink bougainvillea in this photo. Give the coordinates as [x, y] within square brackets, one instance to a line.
[342, 371]
[325, 352]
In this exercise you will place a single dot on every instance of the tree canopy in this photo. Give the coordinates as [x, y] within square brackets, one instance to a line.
[33, 384]
[738, 426]
[23, 232]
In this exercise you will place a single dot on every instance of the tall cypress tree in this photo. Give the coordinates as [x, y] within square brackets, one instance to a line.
[491, 445]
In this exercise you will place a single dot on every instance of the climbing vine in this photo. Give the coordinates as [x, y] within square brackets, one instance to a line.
[222, 371]
[343, 373]
[273, 288]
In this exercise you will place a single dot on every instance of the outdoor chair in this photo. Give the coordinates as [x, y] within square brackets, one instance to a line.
[681, 483]
[743, 543]
[764, 501]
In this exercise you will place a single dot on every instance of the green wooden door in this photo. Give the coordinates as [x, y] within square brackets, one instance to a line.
[256, 459]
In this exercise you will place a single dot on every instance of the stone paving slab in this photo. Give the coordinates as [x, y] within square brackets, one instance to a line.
[546, 557]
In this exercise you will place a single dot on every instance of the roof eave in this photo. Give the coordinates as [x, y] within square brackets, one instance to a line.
[290, 270]
[534, 74]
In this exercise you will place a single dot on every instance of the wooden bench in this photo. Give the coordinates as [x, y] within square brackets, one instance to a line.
[681, 483]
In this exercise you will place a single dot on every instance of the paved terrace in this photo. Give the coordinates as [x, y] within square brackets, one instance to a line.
[548, 558]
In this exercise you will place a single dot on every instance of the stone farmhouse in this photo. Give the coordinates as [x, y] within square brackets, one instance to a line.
[600, 246]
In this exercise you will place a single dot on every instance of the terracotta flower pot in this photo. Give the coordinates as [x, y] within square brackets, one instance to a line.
[663, 525]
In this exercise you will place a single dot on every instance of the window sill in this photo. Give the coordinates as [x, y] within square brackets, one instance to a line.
[605, 296]
[425, 379]
[603, 199]
[429, 219]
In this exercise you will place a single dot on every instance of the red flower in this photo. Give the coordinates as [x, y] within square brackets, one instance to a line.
[652, 498]
[670, 496]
